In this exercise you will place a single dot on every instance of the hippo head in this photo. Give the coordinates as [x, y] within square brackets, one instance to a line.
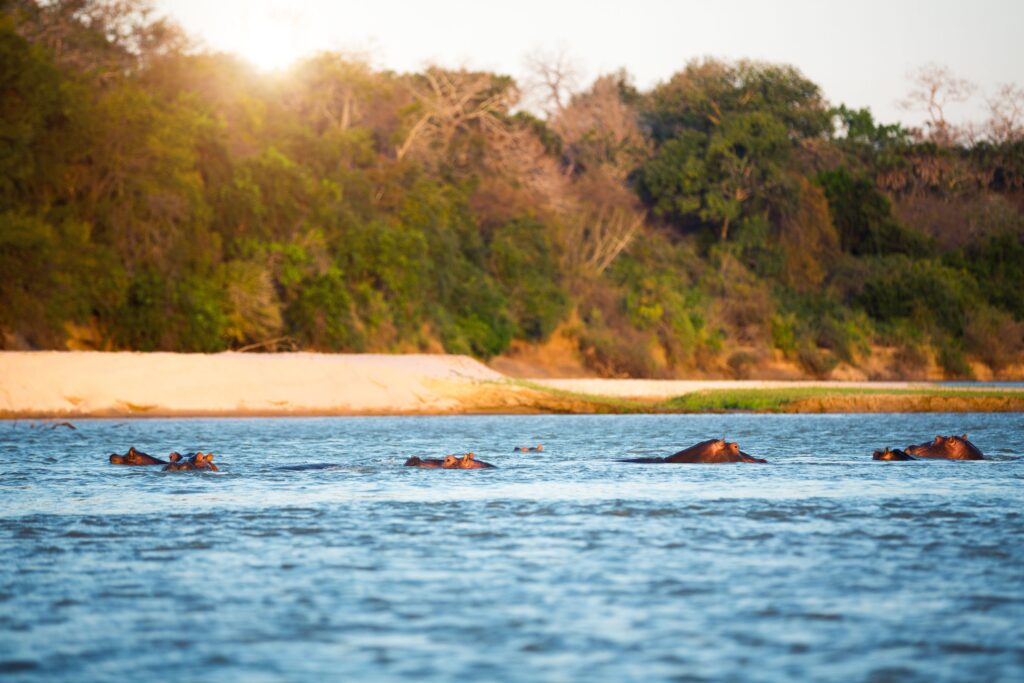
[894, 454]
[132, 457]
[203, 462]
[720, 447]
[466, 461]
[947, 447]
[539, 447]
[963, 448]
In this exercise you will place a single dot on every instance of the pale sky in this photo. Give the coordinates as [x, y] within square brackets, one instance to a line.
[859, 52]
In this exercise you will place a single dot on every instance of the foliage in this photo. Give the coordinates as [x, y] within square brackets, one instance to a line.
[863, 217]
[172, 199]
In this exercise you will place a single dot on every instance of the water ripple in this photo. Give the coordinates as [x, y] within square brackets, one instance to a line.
[314, 554]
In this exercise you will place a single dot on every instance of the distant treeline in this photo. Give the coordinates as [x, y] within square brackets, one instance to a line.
[155, 197]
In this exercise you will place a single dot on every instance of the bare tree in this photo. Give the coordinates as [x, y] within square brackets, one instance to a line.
[600, 219]
[556, 76]
[599, 129]
[595, 236]
[451, 101]
[935, 88]
[1006, 114]
[601, 143]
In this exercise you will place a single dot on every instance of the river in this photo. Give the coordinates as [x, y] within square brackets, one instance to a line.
[564, 565]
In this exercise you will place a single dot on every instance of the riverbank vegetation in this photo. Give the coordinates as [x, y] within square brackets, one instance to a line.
[158, 197]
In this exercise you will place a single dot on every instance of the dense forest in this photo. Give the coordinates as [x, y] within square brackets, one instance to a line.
[730, 220]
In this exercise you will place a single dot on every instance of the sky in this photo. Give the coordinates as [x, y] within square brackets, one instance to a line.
[860, 53]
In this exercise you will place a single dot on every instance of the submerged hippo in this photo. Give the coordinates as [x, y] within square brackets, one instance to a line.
[467, 462]
[190, 462]
[427, 463]
[894, 454]
[946, 448]
[134, 457]
[710, 451]
[450, 462]
[529, 449]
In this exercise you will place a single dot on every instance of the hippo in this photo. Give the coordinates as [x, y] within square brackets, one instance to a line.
[710, 451]
[946, 448]
[426, 463]
[467, 462]
[894, 454]
[191, 462]
[529, 449]
[450, 462]
[134, 457]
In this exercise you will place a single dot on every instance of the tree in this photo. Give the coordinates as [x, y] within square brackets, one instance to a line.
[724, 134]
[934, 89]
[1006, 115]
[454, 101]
[859, 127]
[104, 38]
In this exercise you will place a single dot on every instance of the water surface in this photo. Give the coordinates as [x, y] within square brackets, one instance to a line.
[559, 566]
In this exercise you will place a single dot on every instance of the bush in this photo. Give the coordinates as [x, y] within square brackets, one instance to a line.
[740, 363]
[934, 295]
[997, 263]
[951, 359]
[863, 217]
[910, 361]
[143, 321]
[995, 337]
[200, 318]
[322, 315]
[817, 362]
[618, 353]
[522, 261]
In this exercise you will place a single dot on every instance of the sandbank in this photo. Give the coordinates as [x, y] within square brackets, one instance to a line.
[73, 384]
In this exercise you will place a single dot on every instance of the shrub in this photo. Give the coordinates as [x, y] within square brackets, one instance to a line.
[522, 261]
[863, 217]
[995, 337]
[933, 294]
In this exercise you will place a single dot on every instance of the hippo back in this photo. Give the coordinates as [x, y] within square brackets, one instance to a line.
[712, 450]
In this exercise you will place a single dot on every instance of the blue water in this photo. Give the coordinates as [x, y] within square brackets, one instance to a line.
[559, 566]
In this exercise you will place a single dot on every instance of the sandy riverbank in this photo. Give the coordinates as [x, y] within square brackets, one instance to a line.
[80, 383]
[50, 384]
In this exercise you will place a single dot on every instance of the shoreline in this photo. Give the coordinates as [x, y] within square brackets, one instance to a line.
[89, 384]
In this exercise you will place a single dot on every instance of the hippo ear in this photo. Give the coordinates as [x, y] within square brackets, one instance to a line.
[174, 457]
[938, 439]
[470, 455]
[964, 437]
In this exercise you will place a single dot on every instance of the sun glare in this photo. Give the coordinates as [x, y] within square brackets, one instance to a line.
[270, 41]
